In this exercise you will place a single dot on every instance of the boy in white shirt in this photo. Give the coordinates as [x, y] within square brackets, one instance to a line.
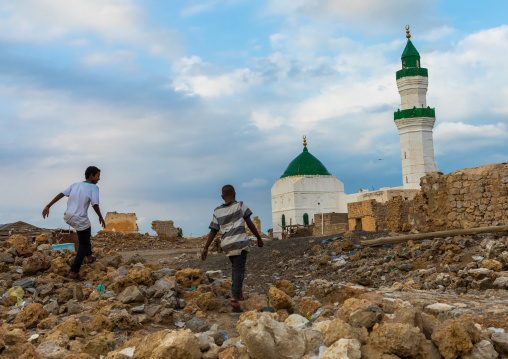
[81, 194]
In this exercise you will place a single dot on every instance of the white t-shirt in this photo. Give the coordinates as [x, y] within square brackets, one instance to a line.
[80, 195]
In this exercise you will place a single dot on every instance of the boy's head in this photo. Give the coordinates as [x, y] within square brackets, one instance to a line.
[93, 174]
[228, 193]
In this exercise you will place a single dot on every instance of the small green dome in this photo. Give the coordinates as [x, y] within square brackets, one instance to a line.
[305, 164]
[410, 57]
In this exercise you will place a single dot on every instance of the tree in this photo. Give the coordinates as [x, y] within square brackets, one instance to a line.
[180, 232]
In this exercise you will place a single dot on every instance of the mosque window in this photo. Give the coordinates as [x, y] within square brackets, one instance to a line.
[305, 218]
[407, 180]
[417, 63]
[404, 65]
[283, 220]
[405, 155]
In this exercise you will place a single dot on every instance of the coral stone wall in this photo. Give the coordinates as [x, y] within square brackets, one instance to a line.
[468, 198]
[166, 228]
[121, 222]
[367, 215]
[333, 223]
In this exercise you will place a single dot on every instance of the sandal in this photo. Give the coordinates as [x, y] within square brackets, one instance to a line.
[236, 307]
[93, 260]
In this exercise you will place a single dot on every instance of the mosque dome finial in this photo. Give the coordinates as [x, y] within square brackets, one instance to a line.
[408, 35]
[304, 141]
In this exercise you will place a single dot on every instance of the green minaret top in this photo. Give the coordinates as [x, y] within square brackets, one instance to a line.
[410, 57]
[305, 164]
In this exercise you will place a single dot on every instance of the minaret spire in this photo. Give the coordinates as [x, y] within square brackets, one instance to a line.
[408, 35]
[304, 141]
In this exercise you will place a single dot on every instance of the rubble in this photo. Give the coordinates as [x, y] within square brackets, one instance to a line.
[442, 298]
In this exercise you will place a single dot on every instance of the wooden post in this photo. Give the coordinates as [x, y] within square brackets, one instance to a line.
[421, 236]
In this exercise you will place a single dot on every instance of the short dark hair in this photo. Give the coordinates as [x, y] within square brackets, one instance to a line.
[228, 190]
[90, 171]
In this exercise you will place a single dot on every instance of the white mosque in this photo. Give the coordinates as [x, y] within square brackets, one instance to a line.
[307, 188]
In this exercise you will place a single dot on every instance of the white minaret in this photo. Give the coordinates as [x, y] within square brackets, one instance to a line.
[415, 120]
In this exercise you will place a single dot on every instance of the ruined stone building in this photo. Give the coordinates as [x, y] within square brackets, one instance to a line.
[165, 228]
[307, 188]
[121, 222]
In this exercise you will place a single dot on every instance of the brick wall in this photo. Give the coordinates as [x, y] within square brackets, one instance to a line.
[333, 223]
[165, 228]
[367, 215]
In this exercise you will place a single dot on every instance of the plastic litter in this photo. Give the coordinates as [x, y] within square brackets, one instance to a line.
[394, 269]
[331, 239]
[128, 351]
[335, 257]
[17, 292]
[61, 247]
[102, 289]
[351, 253]
[193, 288]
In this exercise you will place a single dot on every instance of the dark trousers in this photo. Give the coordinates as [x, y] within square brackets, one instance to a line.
[84, 249]
[238, 264]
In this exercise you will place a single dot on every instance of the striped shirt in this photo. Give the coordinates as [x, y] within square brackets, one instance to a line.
[230, 220]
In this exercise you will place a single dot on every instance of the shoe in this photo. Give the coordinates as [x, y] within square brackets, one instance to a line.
[94, 259]
[236, 307]
[76, 277]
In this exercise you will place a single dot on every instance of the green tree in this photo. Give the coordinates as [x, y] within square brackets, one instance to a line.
[180, 232]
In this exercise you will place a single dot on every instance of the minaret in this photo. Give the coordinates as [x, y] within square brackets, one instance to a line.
[415, 120]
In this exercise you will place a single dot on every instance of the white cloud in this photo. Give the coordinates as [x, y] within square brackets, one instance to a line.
[112, 20]
[111, 58]
[256, 182]
[459, 136]
[195, 77]
[265, 121]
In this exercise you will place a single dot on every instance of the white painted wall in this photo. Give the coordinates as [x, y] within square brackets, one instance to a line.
[413, 91]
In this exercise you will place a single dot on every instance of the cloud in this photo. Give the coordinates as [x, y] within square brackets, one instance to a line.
[110, 20]
[195, 77]
[256, 182]
[452, 136]
[111, 58]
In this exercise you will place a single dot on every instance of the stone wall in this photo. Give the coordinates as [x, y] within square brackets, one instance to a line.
[367, 216]
[257, 224]
[333, 223]
[468, 198]
[397, 214]
[165, 228]
[121, 222]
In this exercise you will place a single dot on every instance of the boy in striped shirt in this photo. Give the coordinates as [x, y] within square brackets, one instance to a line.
[231, 218]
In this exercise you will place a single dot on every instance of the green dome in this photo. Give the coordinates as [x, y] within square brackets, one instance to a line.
[410, 57]
[305, 164]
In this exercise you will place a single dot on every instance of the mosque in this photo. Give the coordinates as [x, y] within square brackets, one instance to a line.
[307, 188]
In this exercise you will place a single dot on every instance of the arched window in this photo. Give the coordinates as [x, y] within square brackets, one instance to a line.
[283, 220]
[305, 218]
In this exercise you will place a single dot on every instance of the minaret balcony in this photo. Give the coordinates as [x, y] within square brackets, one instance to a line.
[415, 112]
[412, 71]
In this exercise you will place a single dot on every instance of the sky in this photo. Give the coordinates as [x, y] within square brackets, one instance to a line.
[174, 99]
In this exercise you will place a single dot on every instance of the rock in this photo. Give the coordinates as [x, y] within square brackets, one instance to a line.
[77, 292]
[427, 350]
[349, 234]
[438, 308]
[140, 275]
[206, 301]
[98, 346]
[266, 338]
[178, 345]
[131, 294]
[274, 253]
[482, 284]
[113, 260]
[190, 277]
[31, 315]
[20, 244]
[213, 275]
[135, 259]
[197, 325]
[205, 341]
[165, 287]
[336, 329]
[350, 305]
[500, 341]
[6, 258]
[366, 317]
[33, 264]
[72, 327]
[501, 283]
[296, 321]
[343, 349]
[51, 350]
[286, 286]
[59, 266]
[452, 340]
[57, 337]
[42, 239]
[492, 264]
[482, 350]
[480, 273]
[99, 323]
[396, 338]
[122, 320]
[280, 300]
[308, 306]
[255, 302]
[339, 263]
[73, 307]
[14, 336]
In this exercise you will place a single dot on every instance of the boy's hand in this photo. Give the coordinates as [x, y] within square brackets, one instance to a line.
[204, 254]
[260, 242]
[45, 212]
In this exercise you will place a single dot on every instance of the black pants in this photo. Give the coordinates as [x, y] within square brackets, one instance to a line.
[84, 249]
[238, 264]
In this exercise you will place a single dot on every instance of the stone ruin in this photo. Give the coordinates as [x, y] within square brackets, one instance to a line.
[165, 228]
[467, 198]
[121, 222]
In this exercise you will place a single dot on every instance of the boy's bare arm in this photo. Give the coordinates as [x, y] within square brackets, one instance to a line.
[98, 211]
[45, 211]
[209, 240]
[254, 231]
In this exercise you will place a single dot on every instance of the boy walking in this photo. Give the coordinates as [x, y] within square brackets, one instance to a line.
[230, 218]
[81, 194]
